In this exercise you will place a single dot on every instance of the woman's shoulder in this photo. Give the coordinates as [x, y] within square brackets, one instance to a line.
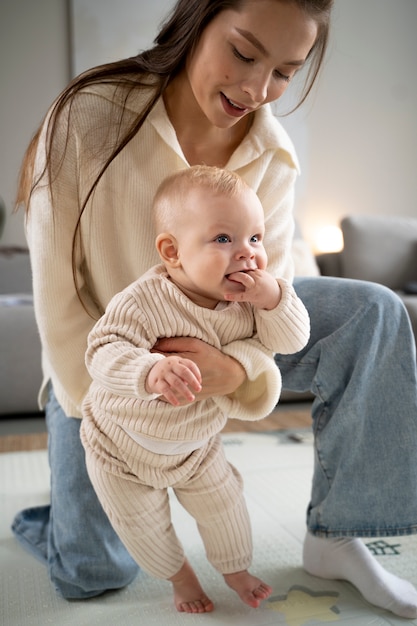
[114, 95]
[268, 131]
[97, 112]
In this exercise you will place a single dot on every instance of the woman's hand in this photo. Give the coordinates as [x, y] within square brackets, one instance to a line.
[221, 374]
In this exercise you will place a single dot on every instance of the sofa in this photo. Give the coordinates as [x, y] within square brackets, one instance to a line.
[20, 352]
[379, 249]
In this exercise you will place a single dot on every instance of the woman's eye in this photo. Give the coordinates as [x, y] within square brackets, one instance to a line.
[223, 239]
[280, 76]
[240, 56]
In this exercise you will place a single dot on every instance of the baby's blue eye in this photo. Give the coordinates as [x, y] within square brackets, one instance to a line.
[223, 239]
[255, 238]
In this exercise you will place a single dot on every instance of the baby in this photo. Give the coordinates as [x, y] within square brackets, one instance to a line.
[144, 427]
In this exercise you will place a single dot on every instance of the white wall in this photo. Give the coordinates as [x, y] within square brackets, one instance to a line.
[358, 147]
[34, 67]
[103, 30]
[356, 136]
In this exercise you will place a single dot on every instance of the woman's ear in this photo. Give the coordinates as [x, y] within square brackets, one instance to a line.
[167, 247]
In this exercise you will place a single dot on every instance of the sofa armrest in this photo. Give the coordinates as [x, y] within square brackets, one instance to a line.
[20, 359]
[15, 270]
[380, 249]
[329, 263]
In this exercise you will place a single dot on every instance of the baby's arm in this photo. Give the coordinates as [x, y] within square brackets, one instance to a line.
[173, 377]
[285, 329]
[258, 287]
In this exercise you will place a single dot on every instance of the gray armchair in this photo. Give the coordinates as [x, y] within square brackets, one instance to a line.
[20, 351]
[378, 249]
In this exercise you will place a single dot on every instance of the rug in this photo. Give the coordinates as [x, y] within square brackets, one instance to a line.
[276, 468]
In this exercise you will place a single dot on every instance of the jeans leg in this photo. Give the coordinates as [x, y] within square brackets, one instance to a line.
[360, 364]
[73, 535]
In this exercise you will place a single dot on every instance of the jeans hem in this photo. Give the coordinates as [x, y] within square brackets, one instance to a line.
[23, 532]
[364, 533]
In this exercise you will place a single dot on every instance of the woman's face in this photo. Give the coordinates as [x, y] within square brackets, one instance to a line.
[247, 58]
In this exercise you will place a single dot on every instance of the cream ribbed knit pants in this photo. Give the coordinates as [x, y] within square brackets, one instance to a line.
[140, 514]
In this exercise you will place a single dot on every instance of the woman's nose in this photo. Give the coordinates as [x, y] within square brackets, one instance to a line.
[257, 87]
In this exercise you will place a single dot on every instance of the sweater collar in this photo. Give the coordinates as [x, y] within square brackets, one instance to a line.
[266, 134]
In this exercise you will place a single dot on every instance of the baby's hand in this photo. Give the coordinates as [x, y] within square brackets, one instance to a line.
[255, 286]
[173, 378]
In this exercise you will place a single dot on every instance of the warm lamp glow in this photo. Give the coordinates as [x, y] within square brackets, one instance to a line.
[328, 239]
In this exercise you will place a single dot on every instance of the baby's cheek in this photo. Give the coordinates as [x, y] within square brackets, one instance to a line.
[262, 260]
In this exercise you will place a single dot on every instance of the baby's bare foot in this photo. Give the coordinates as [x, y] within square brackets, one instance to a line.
[250, 589]
[189, 596]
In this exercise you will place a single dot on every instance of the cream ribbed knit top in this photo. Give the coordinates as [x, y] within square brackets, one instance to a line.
[117, 237]
[119, 360]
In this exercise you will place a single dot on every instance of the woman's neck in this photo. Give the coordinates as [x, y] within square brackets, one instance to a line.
[201, 141]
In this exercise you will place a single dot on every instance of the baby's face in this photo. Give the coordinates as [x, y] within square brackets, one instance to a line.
[221, 235]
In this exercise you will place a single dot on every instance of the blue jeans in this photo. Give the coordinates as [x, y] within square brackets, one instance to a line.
[361, 365]
[72, 535]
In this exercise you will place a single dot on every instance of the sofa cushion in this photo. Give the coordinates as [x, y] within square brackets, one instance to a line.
[380, 249]
[15, 270]
[20, 358]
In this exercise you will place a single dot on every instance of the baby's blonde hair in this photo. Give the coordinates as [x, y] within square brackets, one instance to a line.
[171, 194]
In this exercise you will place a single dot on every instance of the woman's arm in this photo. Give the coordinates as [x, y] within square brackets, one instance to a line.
[222, 375]
[62, 321]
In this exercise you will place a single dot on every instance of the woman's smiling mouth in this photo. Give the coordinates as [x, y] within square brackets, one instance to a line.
[232, 108]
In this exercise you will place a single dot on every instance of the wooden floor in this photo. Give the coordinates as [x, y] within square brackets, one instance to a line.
[286, 417]
[23, 442]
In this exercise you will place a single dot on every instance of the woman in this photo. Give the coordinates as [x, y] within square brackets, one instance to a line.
[201, 95]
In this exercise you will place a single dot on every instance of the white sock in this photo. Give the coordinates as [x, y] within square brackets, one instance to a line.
[347, 558]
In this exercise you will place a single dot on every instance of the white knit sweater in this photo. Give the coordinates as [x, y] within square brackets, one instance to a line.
[117, 231]
[119, 358]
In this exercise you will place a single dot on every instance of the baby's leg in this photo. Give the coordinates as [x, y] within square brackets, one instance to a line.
[141, 517]
[214, 497]
[189, 596]
[251, 590]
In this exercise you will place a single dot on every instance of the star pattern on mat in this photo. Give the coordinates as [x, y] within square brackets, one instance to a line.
[300, 605]
[382, 548]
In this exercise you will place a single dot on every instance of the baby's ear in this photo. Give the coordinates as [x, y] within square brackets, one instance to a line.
[167, 248]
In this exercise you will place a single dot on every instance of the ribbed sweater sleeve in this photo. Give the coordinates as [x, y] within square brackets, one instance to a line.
[285, 329]
[118, 355]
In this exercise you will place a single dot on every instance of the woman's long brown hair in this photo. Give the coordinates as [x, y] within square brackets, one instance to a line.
[152, 70]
